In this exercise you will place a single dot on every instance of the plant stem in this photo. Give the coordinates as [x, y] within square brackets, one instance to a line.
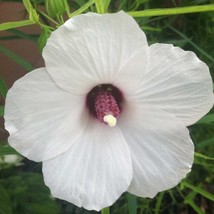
[10, 25]
[82, 9]
[99, 6]
[172, 11]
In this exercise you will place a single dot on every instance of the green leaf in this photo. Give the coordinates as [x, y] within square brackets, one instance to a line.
[132, 203]
[5, 201]
[158, 203]
[7, 150]
[172, 196]
[29, 194]
[41, 208]
[20, 34]
[10, 25]
[147, 28]
[106, 4]
[199, 190]
[3, 87]
[189, 199]
[206, 119]
[205, 143]
[81, 2]
[67, 9]
[43, 38]
[105, 210]
[100, 6]
[196, 207]
[3, 142]
[193, 44]
[55, 8]
[26, 65]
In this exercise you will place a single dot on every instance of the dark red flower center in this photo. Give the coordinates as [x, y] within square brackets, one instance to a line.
[105, 102]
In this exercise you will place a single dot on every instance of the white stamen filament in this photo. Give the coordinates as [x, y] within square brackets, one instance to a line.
[111, 120]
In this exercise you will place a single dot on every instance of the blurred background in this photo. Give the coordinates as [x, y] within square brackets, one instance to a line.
[22, 190]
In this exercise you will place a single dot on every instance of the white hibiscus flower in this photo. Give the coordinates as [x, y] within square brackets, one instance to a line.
[108, 113]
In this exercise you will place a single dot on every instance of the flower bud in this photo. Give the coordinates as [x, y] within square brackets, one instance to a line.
[56, 7]
[43, 38]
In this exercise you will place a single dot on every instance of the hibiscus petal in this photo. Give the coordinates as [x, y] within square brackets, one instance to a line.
[177, 82]
[90, 49]
[130, 75]
[161, 149]
[42, 119]
[94, 172]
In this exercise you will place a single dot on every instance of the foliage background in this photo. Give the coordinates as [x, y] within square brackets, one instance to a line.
[22, 190]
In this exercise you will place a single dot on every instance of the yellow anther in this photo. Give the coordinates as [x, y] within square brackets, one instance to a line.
[110, 120]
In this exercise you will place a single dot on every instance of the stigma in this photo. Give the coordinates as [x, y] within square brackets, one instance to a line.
[110, 120]
[106, 108]
[104, 103]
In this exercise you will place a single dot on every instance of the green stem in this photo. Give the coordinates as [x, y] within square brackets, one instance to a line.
[199, 190]
[10, 25]
[172, 11]
[48, 17]
[105, 210]
[158, 203]
[195, 207]
[82, 9]
[100, 6]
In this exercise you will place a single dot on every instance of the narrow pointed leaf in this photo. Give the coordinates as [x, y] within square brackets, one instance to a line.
[26, 65]
[199, 190]
[3, 87]
[10, 25]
